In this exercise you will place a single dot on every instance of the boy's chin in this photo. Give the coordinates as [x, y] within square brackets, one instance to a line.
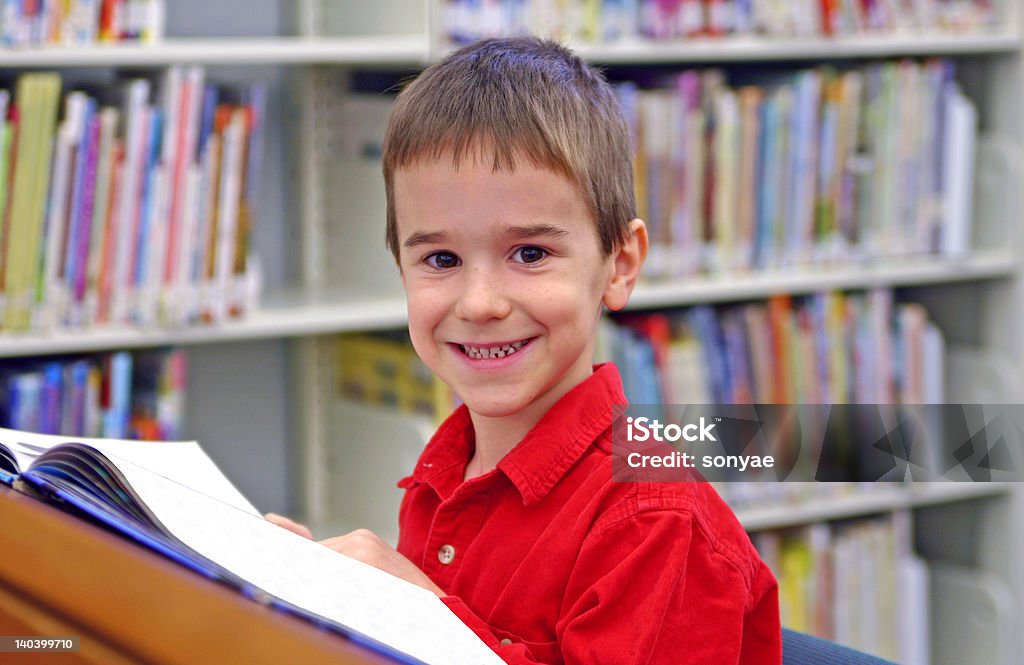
[491, 408]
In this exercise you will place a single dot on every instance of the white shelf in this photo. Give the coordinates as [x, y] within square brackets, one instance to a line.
[876, 501]
[376, 50]
[907, 271]
[384, 50]
[818, 48]
[297, 314]
[285, 316]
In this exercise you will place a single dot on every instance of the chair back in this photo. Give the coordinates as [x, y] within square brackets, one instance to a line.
[802, 649]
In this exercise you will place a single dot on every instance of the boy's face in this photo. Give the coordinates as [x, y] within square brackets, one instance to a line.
[505, 278]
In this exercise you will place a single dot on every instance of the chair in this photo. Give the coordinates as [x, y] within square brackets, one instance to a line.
[802, 649]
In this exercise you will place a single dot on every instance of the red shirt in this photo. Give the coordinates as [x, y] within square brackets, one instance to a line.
[548, 560]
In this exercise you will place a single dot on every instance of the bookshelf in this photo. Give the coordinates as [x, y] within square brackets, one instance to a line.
[296, 313]
[396, 50]
[975, 298]
[744, 49]
[378, 51]
[865, 503]
[277, 353]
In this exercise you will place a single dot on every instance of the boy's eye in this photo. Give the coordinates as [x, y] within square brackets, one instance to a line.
[529, 254]
[443, 260]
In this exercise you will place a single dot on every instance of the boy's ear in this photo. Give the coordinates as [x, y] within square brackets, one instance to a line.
[627, 259]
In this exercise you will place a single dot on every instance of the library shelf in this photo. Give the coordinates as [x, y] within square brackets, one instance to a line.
[380, 50]
[414, 50]
[298, 314]
[747, 49]
[896, 271]
[881, 498]
[283, 315]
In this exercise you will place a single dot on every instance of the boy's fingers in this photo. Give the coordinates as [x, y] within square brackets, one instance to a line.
[284, 522]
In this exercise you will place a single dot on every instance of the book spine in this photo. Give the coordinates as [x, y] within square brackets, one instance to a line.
[136, 115]
[152, 175]
[101, 212]
[8, 123]
[174, 97]
[57, 218]
[119, 407]
[52, 394]
[111, 243]
[31, 185]
[227, 225]
[85, 220]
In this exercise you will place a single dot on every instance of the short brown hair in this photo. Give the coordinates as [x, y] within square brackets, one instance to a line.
[524, 97]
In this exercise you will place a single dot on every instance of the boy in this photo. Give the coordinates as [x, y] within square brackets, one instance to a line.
[511, 217]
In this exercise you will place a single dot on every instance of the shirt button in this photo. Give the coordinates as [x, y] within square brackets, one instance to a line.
[446, 554]
[506, 642]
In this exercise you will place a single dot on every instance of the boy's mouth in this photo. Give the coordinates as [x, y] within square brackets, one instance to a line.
[499, 351]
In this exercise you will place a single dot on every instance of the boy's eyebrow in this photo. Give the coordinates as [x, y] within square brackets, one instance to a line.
[425, 238]
[522, 232]
[536, 230]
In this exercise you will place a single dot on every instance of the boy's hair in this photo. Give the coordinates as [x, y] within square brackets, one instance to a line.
[507, 99]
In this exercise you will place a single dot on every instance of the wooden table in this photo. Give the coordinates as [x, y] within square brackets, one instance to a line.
[61, 576]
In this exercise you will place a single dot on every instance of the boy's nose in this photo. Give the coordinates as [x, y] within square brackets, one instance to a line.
[483, 297]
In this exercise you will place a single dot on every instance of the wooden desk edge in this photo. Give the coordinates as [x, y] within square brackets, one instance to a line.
[139, 604]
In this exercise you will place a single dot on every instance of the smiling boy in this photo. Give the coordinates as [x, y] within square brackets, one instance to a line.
[511, 217]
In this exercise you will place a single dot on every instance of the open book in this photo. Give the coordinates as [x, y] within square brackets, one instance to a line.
[172, 498]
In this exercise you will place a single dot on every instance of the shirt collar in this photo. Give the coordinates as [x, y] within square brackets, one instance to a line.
[547, 451]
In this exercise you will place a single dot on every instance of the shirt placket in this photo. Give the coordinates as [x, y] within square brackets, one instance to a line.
[456, 524]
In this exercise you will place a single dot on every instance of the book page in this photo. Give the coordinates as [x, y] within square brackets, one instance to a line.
[182, 461]
[310, 575]
[23, 456]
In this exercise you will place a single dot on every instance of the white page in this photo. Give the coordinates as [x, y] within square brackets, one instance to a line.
[310, 575]
[23, 456]
[182, 461]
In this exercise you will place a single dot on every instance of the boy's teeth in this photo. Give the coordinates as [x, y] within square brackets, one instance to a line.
[480, 352]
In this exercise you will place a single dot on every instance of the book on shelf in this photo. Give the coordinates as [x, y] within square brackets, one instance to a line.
[117, 395]
[171, 498]
[36, 23]
[816, 166]
[827, 348]
[383, 369]
[611, 21]
[135, 208]
[856, 582]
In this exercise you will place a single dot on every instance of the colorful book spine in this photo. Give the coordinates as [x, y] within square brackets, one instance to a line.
[844, 583]
[37, 23]
[828, 348]
[38, 97]
[129, 214]
[602, 21]
[118, 395]
[811, 167]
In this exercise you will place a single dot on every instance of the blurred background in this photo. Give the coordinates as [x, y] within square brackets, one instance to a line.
[193, 248]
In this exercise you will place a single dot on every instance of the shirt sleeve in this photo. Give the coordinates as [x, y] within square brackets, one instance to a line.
[677, 596]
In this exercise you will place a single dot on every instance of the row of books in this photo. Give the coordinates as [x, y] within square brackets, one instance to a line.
[613, 20]
[814, 166]
[383, 369]
[131, 209]
[117, 395]
[856, 583]
[28, 23]
[828, 348]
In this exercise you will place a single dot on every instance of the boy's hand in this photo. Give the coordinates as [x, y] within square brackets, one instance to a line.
[284, 522]
[366, 546]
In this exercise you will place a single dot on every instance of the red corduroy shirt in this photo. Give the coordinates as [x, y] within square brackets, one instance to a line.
[550, 561]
